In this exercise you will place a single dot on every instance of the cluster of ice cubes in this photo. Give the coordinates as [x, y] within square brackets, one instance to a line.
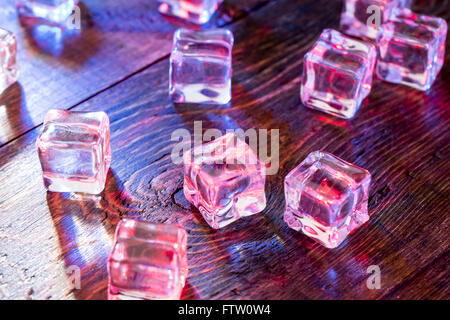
[326, 197]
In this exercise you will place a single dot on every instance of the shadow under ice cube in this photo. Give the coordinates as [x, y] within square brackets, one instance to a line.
[326, 198]
[147, 262]
[195, 11]
[8, 66]
[74, 151]
[200, 66]
[337, 74]
[225, 180]
[411, 49]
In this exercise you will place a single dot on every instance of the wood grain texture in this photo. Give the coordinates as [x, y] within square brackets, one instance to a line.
[431, 283]
[61, 68]
[400, 135]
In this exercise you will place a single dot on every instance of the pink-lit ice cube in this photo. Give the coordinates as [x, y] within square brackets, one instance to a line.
[326, 198]
[148, 261]
[8, 67]
[337, 74]
[200, 66]
[225, 180]
[195, 11]
[361, 18]
[411, 49]
[74, 151]
[53, 11]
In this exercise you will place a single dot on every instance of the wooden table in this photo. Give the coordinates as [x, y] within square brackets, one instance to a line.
[119, 63]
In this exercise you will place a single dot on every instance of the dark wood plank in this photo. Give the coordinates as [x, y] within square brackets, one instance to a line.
[400, 135]
[61, 69]
[432, 283]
